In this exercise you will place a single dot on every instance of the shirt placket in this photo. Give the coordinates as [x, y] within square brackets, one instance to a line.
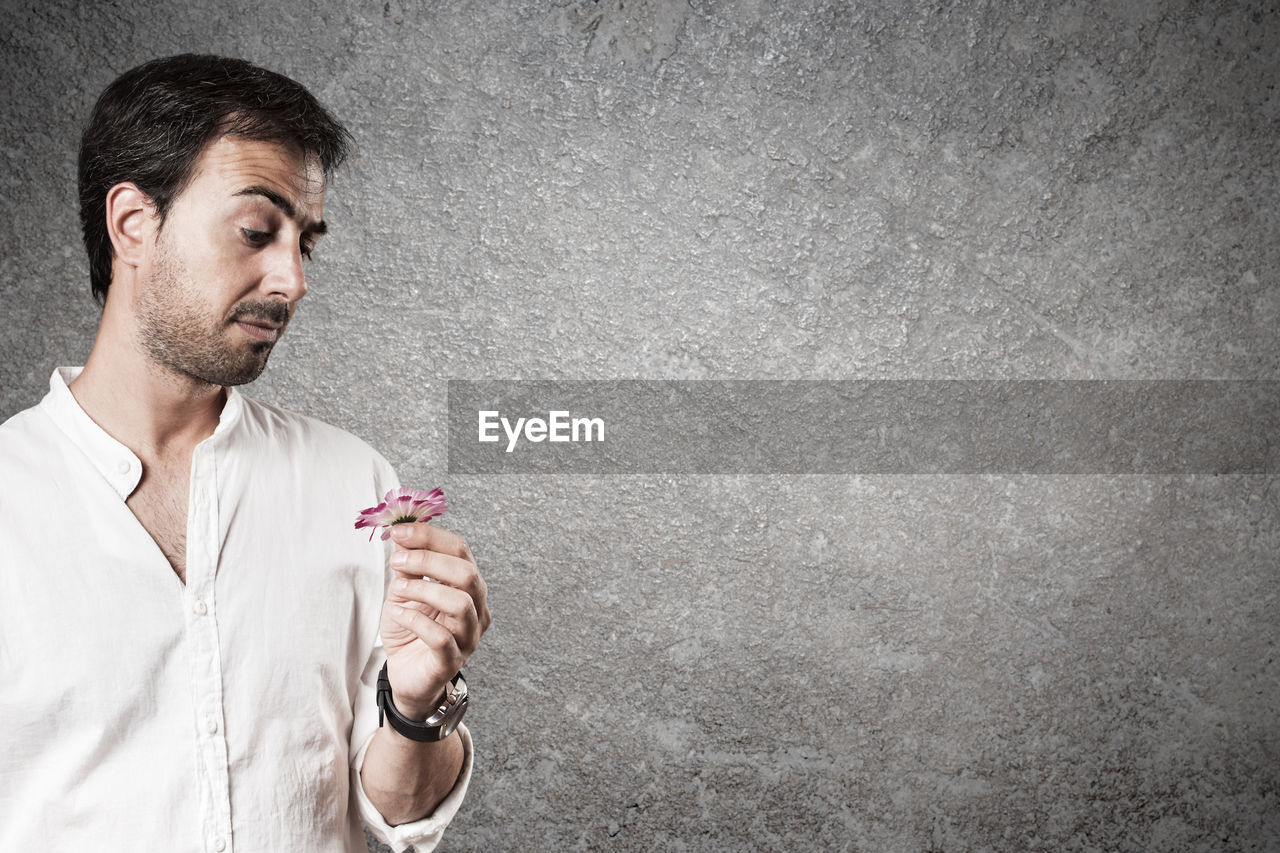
[202, 635]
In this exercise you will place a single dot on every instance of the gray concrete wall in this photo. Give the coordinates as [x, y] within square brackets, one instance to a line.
[663, 189]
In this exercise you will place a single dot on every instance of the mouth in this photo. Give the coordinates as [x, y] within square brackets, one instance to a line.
[260, 330]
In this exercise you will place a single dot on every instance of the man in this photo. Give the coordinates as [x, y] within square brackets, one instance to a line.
[191, 629]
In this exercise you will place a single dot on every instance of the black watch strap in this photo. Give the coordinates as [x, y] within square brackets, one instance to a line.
[439, 725]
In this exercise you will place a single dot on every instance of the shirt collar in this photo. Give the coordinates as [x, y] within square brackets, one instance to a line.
[117, 463]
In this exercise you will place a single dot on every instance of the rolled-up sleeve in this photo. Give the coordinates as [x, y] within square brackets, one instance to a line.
[422, 834]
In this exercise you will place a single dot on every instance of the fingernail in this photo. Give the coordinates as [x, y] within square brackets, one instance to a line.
[400, 532]
[399, 559]
[401, 584]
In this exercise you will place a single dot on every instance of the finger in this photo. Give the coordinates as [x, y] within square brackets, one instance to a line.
[452, 571]
[454, 608]
[430, 611]
[437, 565]
[428, 537]
[434, 635]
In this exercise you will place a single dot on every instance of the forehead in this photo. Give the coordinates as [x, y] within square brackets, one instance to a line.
[230, 164]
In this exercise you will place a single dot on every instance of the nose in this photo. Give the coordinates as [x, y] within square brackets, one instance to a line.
[286, 276]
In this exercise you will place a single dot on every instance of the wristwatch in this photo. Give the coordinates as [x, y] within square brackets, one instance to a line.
[439, 725]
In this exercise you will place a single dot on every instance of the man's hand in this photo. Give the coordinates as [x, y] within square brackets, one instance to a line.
[434, 615]
[432, 620]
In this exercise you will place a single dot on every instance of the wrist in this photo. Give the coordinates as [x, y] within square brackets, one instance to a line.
[435, 723]
[417, 711]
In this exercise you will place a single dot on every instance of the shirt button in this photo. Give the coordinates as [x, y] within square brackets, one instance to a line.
[211, 726]
[201, 608]
[219, 845]
[123, 466]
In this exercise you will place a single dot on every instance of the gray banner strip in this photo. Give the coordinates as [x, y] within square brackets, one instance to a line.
[911, 426]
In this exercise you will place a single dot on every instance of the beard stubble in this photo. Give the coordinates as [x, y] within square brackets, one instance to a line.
[187, 337]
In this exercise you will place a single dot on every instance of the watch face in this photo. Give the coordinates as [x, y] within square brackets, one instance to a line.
[451, 724]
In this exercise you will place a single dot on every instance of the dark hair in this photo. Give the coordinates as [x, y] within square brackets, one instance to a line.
[151, 125]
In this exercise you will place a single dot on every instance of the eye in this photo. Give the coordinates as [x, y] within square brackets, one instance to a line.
[256, 238]
[306, 249]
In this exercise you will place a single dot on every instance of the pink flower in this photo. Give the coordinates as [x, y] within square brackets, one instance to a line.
[402, 506]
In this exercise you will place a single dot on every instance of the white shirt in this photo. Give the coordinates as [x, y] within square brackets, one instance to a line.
[229, 714]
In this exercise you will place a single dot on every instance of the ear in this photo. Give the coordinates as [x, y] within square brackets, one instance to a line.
[131, 222]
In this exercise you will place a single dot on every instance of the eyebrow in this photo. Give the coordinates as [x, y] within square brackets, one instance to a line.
[286, 207]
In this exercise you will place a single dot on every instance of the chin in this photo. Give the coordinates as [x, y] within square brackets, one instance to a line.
[228, 374]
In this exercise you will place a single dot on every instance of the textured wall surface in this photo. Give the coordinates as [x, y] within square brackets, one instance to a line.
[663, 189]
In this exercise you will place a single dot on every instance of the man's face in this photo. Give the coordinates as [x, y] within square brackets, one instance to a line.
[225, 272]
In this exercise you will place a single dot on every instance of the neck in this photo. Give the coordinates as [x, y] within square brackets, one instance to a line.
[154, 411]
